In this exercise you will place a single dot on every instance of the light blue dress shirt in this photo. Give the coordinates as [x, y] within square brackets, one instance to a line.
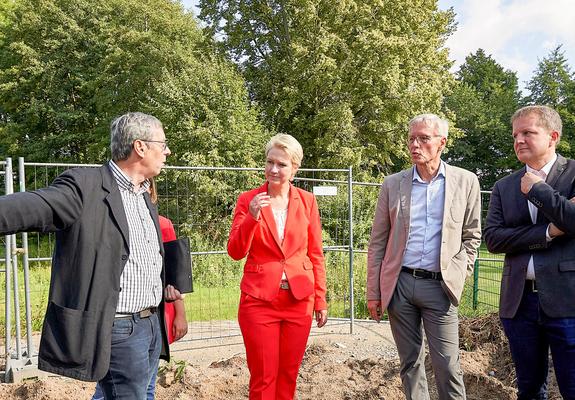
[426, 219]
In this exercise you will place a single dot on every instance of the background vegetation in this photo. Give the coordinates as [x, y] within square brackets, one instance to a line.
[343, 77]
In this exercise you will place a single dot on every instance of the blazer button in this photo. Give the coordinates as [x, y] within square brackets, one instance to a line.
[124, 257]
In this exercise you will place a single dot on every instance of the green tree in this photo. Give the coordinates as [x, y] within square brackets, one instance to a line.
[4, 7]
[343, 77]
[483, 101]
[553, 84]
[67, 67]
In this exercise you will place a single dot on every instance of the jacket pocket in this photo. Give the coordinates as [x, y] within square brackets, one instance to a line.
[307, 264]
[252, 268]
[457, 212]
[567, 265]
[68, 336]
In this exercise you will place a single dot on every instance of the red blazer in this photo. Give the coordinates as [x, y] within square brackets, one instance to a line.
[300, 254]
[167, 229]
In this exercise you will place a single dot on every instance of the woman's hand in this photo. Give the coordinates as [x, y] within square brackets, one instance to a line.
[179, 327]
[180, 324]
[259, 201]
[320, 317]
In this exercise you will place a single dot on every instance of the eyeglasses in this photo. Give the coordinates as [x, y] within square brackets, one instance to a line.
[423, 139]
[164, 143]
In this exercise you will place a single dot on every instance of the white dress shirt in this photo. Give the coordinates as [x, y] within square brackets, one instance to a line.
[543, 173]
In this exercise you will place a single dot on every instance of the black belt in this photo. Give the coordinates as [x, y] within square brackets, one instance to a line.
[422, 273]
[145, 313]
[530, 286]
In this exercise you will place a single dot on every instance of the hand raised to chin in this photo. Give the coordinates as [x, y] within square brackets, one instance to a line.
[528, 180]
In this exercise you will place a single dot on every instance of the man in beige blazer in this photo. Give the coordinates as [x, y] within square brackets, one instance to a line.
[425, 235]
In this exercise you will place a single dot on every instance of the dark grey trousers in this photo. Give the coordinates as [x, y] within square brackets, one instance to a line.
[414, 301]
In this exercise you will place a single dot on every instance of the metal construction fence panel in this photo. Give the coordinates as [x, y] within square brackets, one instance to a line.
[200, 202]
[486, 281]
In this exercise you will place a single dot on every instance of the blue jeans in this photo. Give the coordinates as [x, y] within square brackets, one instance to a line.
[136, 346]
[531, 333]
[99, 395]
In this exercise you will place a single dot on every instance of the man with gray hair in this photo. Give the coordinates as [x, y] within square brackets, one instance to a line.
[531, 219]
[102, 321]
[424, 239]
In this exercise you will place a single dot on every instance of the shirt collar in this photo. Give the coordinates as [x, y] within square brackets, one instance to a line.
[440, 172]
[125, 182]
[546, 168]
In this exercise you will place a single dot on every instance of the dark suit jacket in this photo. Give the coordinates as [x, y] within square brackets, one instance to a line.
[509, 230]
[84, 207]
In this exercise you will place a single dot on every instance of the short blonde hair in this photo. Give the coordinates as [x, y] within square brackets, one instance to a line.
[547, 117]
[289, 144]
[439, 124]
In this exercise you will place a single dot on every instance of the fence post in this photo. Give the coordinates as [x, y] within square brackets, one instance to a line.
[8, 276]
[26, 267]
[350, 217]
[475, 283]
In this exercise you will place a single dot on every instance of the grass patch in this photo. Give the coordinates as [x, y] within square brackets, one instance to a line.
[206, 304]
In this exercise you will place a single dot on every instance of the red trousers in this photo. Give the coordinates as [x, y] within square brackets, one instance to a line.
[275, 335]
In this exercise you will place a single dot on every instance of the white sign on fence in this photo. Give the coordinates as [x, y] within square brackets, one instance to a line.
[325, 190]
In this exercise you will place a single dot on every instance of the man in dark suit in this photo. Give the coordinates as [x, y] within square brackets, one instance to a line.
[101, 322]
[532, 221]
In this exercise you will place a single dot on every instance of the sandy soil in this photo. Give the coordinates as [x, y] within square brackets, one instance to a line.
[337, 365]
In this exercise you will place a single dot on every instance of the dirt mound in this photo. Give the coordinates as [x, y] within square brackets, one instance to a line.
[486, 361]
[233, 362]
[47, 389]
[485, 348]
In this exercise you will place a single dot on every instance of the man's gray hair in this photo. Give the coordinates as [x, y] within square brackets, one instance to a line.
[127, 128]
[439, 124]
[548, 117]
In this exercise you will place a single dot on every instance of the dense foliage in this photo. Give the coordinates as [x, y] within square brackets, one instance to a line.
[67, 67]
[343, 77]
[482, 103]
[553, 84]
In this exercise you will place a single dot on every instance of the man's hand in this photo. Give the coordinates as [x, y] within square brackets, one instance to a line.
[180, 327]
[554, 231]
[374, 307]
[528, 180]
[172, 294]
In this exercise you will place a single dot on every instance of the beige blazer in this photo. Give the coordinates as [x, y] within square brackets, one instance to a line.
[461, 233]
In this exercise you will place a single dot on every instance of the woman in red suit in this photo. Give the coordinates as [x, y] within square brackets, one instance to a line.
[277, 227]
